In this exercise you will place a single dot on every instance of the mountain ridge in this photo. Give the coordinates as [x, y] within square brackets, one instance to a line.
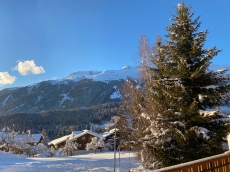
[78, 90]
[104, 76]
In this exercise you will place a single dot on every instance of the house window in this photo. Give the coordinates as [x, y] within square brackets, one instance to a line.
[83, 138]
[79, 145]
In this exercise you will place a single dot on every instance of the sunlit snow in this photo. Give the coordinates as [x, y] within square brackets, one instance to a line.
[65, 97]
[105, 76]
[116, 94]
[6, 99]
[32, 87]
[81, 161]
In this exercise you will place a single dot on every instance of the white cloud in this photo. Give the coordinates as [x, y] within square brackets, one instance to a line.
[28, 67]
[5, 78]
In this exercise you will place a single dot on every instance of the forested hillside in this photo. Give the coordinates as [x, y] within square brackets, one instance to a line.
[47, 95]
[60, 122]
[79, 101]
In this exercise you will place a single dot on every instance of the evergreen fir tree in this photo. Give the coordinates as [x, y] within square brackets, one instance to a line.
[184, 90]
[123, 126]
[124, 130]
[184, 122]
[45, 138]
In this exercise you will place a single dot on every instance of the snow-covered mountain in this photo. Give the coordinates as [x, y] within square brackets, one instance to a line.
[78, 90]
[103, 76]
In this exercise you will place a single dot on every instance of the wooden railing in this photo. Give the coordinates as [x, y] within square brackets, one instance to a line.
[217, 163]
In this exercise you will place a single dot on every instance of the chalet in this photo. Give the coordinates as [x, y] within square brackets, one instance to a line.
[35, 139]
[18, 139]
[59, 142]
[109, 140]
[81, 139]
[85, 137]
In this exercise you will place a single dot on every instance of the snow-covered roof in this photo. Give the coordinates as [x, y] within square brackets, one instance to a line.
[106, 134]
[113, 130]
[88, 132]
[22, 137]
[75, 135]
[36, 137]
[76, 132]
[59, 140]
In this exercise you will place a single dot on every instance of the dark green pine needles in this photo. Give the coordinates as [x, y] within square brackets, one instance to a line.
[185, 123]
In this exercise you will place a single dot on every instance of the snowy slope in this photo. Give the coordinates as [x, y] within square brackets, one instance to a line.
[104, 76]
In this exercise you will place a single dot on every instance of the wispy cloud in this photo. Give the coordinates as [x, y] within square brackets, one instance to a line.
[28, 67]
[5, 78]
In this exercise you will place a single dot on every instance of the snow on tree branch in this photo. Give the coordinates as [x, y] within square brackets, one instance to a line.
[181, 124]
[208, 112]
[203, 132]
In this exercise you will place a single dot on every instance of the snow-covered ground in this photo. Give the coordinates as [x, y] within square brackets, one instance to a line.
[82, 161]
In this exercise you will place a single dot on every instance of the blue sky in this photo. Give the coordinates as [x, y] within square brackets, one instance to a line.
[47, 39]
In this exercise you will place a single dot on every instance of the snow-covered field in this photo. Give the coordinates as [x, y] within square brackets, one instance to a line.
[82, 161]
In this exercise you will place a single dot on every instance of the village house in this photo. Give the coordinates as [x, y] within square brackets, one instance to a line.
[59, 142]
[36, 139]
[81, 138]
[109, 138]
[85, 137]
[18, 139]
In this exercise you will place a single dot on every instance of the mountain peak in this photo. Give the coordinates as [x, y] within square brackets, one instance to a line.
[104, 76]
[126, 67]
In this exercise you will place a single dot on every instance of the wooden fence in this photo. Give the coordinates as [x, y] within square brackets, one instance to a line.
[217, 163]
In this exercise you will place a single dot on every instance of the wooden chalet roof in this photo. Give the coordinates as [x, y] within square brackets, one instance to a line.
[75, 135]
[88, 132]
[106, 134]
[25, 137]
[59, 140]
[36, 137]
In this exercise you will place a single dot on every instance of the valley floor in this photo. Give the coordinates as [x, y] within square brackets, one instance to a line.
[82, 161]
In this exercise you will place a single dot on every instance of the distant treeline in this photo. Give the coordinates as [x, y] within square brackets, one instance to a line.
[60, 122]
